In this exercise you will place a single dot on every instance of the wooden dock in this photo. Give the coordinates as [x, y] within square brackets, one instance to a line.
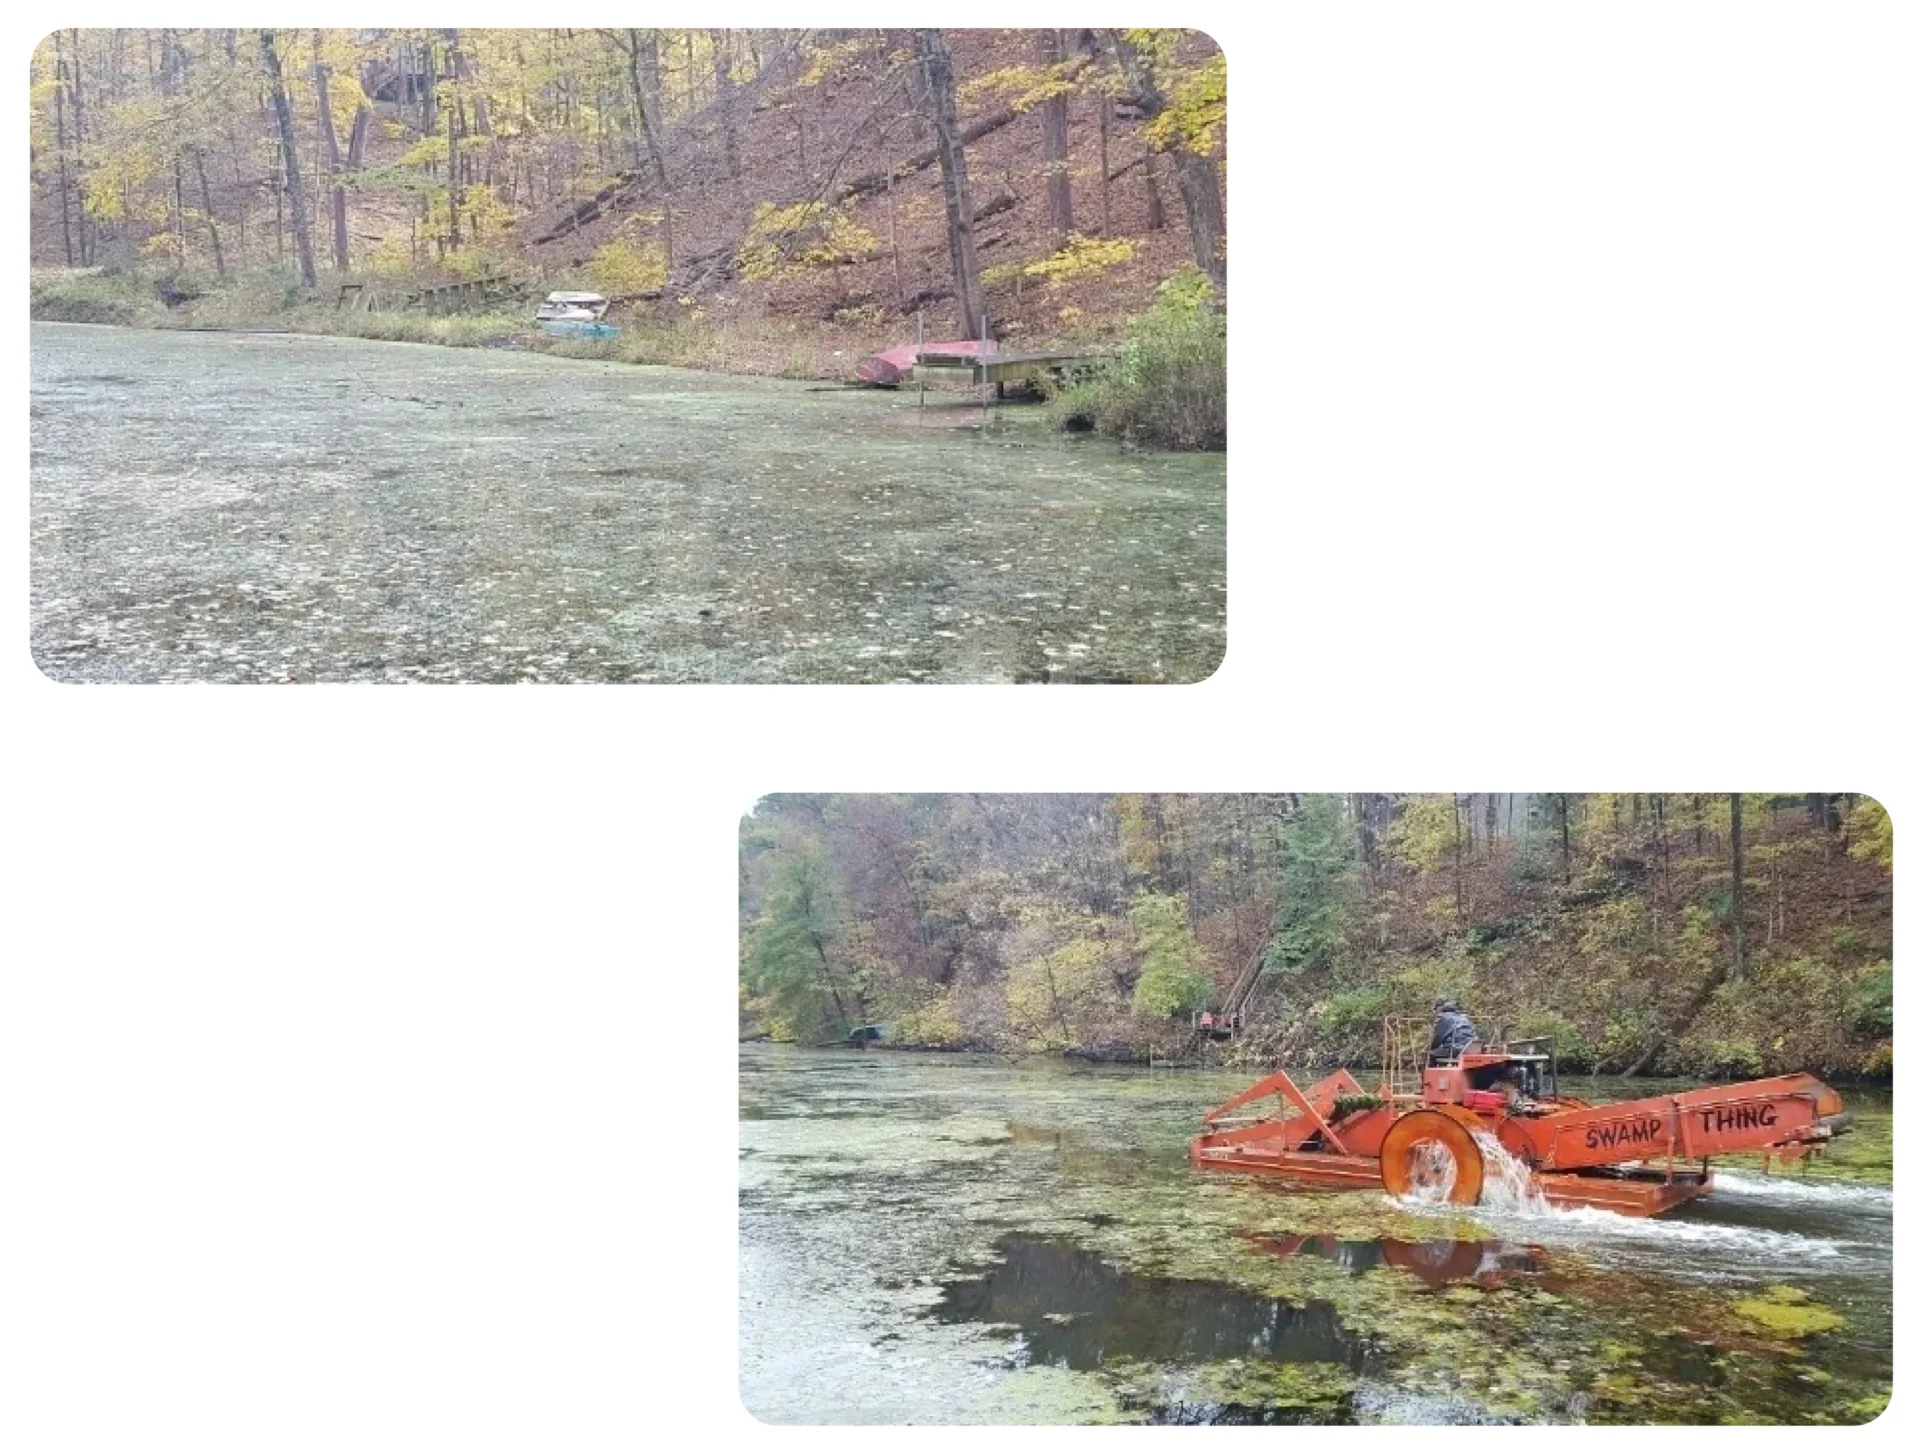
[458, 296]
[1001, 369]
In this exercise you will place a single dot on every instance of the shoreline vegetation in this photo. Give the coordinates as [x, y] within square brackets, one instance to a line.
[1360, 1063]
[1163, 386]
[1693, 936]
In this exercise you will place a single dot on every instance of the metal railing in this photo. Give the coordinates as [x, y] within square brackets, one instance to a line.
[1403, 1054]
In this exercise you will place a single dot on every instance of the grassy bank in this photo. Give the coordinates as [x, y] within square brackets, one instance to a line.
[1166, 389]
[759, 347]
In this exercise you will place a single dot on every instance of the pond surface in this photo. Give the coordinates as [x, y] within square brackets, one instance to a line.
[950, 1238]
[260, 507]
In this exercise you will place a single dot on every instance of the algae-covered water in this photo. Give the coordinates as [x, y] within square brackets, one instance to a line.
[260, 507]
[948, 1238]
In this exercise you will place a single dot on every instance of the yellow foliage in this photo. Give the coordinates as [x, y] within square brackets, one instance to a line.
[1195, 112]
[627, 266]
[1155, 46]
[484, 211]
[935, 1025]
[1081, 257]
[135, 153]
[344, 98]
[824, 61]
[1026, 86]
[1424, 833]
[1047, 994]
[470, 262]
[432, 150]
[1872, 832]
[782, 240]
[392, 258]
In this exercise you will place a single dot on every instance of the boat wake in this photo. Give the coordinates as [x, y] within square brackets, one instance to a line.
[1855, 1198]
[1512, 1202]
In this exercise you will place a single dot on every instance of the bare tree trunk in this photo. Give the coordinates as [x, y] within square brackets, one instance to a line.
[936, 64]
[1739, 969]
[453, 180]
[302, 239]
[1106, 181]
[60, 145]
[1199, 182]
[1666, 851]
[725, 95]
[893, 228]
[1459, 868]
[206, 205]
[1053, 144]
[330, 154]
[357, 140]
[77, 94]
[430, 91]
[636, 73]
[179, 203]
[1156, 209]
[463, 73]
[649, 72]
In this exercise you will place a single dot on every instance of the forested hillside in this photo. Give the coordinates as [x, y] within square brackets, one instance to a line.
[1696, 934]
[805, 194]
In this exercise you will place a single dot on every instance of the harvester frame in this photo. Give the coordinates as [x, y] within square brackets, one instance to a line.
[1428, 1129]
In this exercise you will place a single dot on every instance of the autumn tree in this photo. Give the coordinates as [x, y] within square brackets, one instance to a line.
[296, 198]
[1053, 138]
[1171, 979]
[1185, 110]
[643, 62]
[331, 152]
[936, 68]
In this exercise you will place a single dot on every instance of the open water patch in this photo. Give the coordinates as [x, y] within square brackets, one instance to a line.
[1073, 1308]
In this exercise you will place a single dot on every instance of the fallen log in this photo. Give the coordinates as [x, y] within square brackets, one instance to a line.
[874, 181]
[590, 209]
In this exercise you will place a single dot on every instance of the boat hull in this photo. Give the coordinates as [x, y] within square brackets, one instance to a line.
[584, 331]
[890, 368]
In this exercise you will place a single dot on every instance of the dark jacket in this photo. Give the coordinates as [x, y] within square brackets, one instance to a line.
[1452, 1031]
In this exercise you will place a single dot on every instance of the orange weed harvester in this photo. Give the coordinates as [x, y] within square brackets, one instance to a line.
[1421, 1133]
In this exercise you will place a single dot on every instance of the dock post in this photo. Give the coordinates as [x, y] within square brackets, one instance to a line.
[986, 390]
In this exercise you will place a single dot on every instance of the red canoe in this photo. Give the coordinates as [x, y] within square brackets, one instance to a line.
[884, 370]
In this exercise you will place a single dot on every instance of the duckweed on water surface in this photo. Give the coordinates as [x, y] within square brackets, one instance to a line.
[227, 507]
[1790, 1312]
[970, 1239]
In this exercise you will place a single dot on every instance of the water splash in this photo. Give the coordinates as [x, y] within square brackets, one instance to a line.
[1509, 1186]
[1431, 1173]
